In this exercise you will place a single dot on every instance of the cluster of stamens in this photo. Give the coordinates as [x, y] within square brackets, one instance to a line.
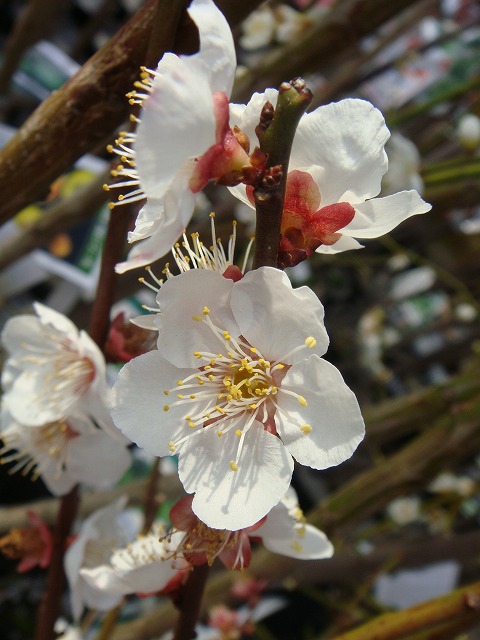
[49, 443]
[66, 374]
[232, 389]
[201, 540]
[194, 254]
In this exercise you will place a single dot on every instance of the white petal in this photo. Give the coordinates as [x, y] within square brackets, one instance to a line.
[21, 331]
[179, 202]
[226, 499]
[347, 140]
[97, 460]
[281, 533]
[28, 403]
[138, 402]
[217, 49]
[177, 122]
[183, 297]
[344, 243]
[56, 320]
[332, 411]
[266, 309]
[379, 216]
[241, 194]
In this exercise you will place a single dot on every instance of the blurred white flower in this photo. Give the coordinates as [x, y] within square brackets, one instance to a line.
[403, 166]
[100, 534]
[63, 452]
[52, 371]
[468, 131]
[405, 510]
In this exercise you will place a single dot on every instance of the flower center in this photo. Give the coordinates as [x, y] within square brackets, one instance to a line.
[232, 388]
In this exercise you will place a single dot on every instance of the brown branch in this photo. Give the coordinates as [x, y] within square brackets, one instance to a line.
[463, 603]
[276, 142]
[56, 581]
[80, 206]
[191, 600]
[86, 110]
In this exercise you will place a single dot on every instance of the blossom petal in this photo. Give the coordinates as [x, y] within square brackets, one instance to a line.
[347, 140]
[282, 533]
[98, 460]
[331, 411]
[380, 215]
[217, 49]
[138, 403]
[226, 499]
[344, 243]
[183, 297]
[178, 119]
[265, 294]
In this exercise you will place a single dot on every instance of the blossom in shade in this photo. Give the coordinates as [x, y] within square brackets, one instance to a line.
[104, 530]
[53, 370]
[159, 562]
[237, 389]
[147, 565]
[32, 545]
[63, 452]
[183, 137]
[335, 171]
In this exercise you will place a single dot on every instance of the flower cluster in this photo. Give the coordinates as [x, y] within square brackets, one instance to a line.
[54, 416]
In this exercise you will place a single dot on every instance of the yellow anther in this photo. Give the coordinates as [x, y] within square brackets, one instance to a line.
[302, 401]
[219, 409]
[296, 546]
[197, 355]
[212, 214]
[179, 396]
[166, 407]
[280, 366]
[306, 428]
[110, 148]
[253, 350]
[219, 433]
[211, 377]
[238, 432]
[274, 390]
[187, 418]
[253, 406]
[192, 396]
[171, 446]
[191, 424]
[111, 205]
[310, 342]
[166, 392]
[233, 465]
[179, 382]
[206, 311]
[105, 187]
[197, 318]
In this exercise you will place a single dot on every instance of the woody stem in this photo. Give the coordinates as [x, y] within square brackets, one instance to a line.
[276, 141]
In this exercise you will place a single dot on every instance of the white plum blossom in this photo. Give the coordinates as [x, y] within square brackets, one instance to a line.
[53, 370]
[103, 531]
[183, 138]
[237, 389]
[160, 561]
[335, 171]
[146, 565]
[63, 452]
[285, 531]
